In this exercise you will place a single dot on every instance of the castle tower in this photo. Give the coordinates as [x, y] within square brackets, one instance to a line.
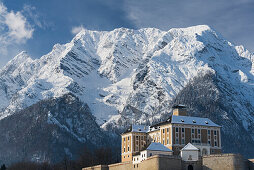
[179, 110]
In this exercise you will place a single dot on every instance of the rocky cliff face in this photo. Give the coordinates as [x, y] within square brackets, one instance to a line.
[50, 130]
[129, 76]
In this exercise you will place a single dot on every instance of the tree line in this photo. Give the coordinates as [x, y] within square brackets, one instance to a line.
[99, 156]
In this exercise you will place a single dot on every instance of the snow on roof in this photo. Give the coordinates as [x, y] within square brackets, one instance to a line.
[158, 147]
[179, 106]
[140, 128]
[193, 121]
[189, 147]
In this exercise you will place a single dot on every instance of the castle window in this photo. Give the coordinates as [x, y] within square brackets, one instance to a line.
[128, 148]
[137, 165]
[141, 137]
[167, 129]
[182, 129]
[136, 148]
[215, 132]
[192, 130]
[177, 141]
[134, 166]
[208, 132]
[163, 130]
[136, 137]
[151, 154]
[123, 149]
[215, 143]
[167, 141]
[176, 129]
[183, 141]
[128, 138]
[124, 139]
[198, 131]
[163, 142]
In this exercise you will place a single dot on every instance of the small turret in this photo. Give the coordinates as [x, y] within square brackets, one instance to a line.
[179, 110]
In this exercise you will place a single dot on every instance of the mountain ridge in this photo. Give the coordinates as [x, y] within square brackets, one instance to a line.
[129, 76]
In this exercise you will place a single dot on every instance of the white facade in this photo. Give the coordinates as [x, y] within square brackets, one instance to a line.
[189, 153]
[146, 154]
[153, 149]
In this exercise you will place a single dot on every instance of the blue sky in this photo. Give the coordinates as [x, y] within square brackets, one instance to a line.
[36, 25]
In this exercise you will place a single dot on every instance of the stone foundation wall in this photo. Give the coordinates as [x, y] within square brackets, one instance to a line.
[97, 167]
[160, 162]
[121, 166]
[157, 162]
[224, 162]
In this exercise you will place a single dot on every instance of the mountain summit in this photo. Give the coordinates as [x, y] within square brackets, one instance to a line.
[129, 76]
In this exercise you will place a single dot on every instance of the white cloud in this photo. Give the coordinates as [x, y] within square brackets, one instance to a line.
[77, 29]
[17, 28]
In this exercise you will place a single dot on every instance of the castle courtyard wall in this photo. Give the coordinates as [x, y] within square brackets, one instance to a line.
[224, 162]
[157, 162]
[97, 167]
[160, 162]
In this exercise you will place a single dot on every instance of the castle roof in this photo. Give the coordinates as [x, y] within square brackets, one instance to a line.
[180, 106]
[158, 147]
[193, 121]
[188, 120]
[189, 147]
[138, 128]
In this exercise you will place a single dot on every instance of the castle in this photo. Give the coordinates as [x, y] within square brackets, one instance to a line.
[180, 142]
[174, 133]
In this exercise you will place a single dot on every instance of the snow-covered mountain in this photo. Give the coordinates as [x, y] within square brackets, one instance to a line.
[126, 76]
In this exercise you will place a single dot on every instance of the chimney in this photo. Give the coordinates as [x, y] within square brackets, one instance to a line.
[179, 110]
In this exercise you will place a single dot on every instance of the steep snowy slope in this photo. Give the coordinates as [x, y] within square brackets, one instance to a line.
[126, 76]
[91, 62]
[193, 51]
